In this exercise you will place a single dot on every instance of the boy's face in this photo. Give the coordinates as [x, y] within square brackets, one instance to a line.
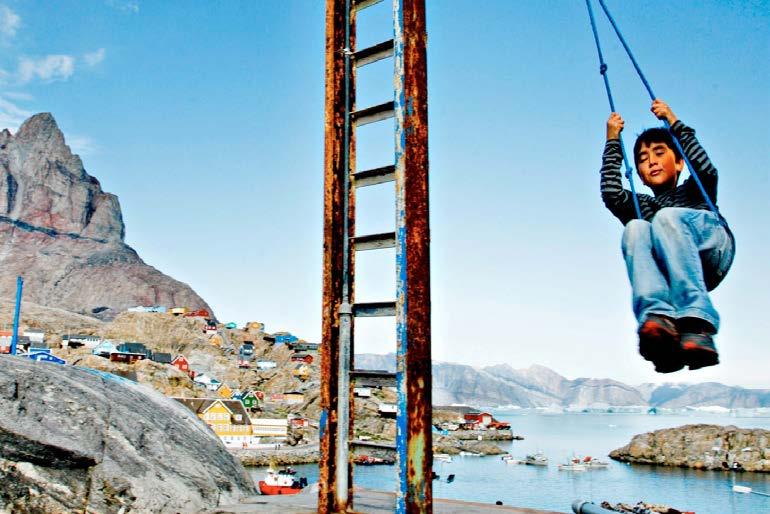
[658, 166]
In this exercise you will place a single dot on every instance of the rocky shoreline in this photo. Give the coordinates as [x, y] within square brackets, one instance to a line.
[284, 456]
[707, 447]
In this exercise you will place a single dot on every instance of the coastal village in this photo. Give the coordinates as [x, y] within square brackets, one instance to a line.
[257, 391]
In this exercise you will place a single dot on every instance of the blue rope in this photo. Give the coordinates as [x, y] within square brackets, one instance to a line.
[693, 174]
[603, 72]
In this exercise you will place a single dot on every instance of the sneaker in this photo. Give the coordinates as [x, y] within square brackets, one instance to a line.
[699, 351]
[659, 343]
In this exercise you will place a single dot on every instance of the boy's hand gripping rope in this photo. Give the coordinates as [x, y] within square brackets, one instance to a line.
[603, 72]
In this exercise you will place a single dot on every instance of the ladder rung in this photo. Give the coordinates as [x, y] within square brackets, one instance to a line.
[375, 241]
[374, 309]
[373, 378]
[373, 114]
[374, 53]
[374, 176]
[363, 4]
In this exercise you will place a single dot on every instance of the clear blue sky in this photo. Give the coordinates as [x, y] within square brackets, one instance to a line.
[206, 119]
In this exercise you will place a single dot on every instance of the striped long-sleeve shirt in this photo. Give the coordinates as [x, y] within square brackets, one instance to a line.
[620, 202]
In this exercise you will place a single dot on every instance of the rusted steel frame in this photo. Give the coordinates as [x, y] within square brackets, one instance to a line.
[338, 229]
[413, 427]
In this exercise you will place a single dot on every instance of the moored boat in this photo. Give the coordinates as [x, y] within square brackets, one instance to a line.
[442, 457]
[510, 459]
[536, 459]
[573, 465]
[592, 463]
[281, 482]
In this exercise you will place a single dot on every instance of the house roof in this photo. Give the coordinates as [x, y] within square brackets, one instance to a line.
[163, 358]
[133, 348]
[201, 405]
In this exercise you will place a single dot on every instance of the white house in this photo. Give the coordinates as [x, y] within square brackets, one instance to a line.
[77, 340]
[104, 349]
[263, 364]
[362, 392]
[210, 383]
[269, 427]
[388, 409]
[35, 336]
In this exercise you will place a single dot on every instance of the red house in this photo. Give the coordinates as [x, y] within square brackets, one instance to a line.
[482, 418]
[127, 357]
[299, 422]
[302, 357]
[181, 363]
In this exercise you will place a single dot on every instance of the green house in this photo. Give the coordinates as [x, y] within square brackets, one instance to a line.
[250, 400]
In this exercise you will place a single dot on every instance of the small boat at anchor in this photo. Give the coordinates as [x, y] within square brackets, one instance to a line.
[510, 459]
[536, 459]
[591, 463]
[573, 465]
[281, 482]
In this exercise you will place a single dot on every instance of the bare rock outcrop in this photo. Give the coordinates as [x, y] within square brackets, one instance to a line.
[700, 447]
[73, 440]
[66, 236]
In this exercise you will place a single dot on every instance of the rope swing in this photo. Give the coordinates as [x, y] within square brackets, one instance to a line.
[603, 71]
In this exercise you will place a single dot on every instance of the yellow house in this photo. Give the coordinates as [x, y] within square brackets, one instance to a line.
[227, 418]
[301, 371]
[294, 397]
[224, 391]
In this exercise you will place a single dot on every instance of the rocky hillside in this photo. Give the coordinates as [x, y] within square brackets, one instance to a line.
[75, 441]
[700, 447]
[66, 236]
[538, 386]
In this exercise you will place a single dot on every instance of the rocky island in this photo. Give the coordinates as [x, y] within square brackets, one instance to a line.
[711, 447]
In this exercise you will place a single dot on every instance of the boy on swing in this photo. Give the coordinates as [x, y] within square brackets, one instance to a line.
[679, 251]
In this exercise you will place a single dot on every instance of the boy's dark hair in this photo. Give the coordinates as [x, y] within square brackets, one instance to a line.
[655, 135]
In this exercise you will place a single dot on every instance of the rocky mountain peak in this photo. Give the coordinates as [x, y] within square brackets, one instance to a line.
[65, 235]
[43, 184]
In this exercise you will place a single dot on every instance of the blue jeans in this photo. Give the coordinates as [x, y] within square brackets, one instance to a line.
[674, 261]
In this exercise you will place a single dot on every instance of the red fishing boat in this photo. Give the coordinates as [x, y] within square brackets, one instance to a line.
[281, 482]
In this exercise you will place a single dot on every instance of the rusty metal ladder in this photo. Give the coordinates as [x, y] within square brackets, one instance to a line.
[410, 238]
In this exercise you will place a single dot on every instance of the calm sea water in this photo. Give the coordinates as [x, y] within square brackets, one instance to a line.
[487, 479]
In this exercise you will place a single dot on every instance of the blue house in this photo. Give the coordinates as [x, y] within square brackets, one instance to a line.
[281, 338]
[104, 349]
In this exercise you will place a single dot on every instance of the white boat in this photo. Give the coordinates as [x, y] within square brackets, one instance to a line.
[510, 459]
[591, 463]
[572, 466]
[442, 457]
[536, 459]
[469, 454]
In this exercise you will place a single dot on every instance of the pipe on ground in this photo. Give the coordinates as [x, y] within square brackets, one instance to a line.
[586, 507]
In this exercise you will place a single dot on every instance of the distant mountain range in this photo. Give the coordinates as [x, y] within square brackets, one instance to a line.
[538, 386]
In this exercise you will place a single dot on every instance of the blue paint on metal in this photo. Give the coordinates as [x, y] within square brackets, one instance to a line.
[17, 312]
[400, 105]
[322, 424]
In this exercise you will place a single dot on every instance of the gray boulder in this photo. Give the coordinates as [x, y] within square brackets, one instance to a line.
[73, 439]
